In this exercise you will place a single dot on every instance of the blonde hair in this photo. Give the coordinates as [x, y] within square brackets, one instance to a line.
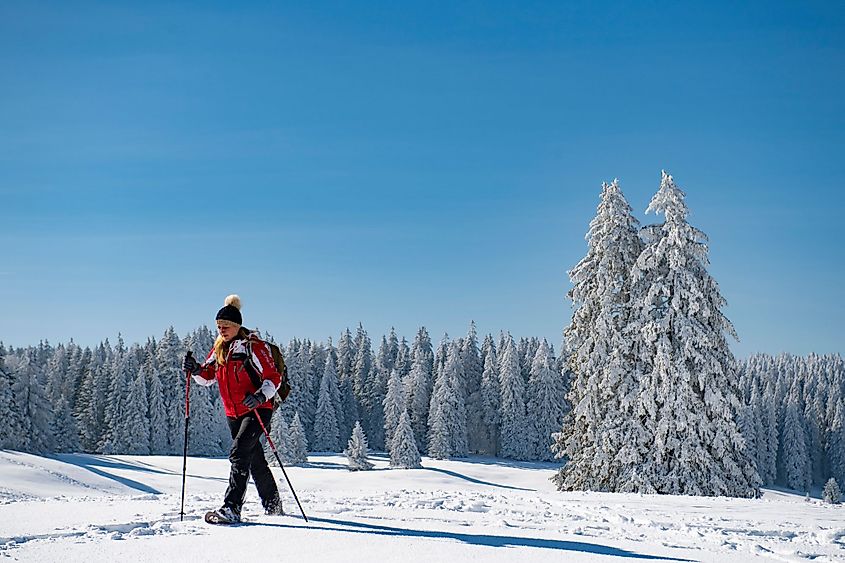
[221, 346]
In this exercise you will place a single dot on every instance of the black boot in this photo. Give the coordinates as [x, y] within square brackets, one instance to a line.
[273, 507]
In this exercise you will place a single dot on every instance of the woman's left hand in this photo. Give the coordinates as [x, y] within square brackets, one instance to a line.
[252, 401]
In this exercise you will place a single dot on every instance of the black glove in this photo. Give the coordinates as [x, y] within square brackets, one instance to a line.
[252, 401]
[190, 364]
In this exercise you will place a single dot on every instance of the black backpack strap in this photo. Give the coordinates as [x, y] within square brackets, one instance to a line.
[251, 368]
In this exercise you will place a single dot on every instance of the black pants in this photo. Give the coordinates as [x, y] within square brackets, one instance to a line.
[247, 456]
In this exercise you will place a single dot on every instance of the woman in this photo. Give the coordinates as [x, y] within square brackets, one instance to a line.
[243, 368]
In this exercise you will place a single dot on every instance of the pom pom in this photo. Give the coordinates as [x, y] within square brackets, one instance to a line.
[234, 301]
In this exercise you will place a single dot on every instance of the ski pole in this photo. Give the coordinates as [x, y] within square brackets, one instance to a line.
[185, 453]
[275, 453]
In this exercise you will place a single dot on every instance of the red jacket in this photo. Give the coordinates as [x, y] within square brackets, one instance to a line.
[248, 368]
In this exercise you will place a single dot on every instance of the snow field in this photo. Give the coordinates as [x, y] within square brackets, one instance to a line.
[79, 507]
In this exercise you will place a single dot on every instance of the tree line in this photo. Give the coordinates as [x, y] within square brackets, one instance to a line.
[130, 400]
[500, 398]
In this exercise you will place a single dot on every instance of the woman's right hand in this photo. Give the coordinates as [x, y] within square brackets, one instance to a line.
[190, 364]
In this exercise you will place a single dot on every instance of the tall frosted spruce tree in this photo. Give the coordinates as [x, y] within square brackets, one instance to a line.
[689, 390]
[326, 432]
[10, 419]
[601, 439]
[403, 447]
[490, 398]
[515, 438]
[169, 355]
[546, 402]
[393, 406]
[357, 450]
[30, 395]
[420, 382]
[447, 436]
[473, 371]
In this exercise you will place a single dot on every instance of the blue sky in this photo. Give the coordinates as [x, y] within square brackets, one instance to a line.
[402, 164]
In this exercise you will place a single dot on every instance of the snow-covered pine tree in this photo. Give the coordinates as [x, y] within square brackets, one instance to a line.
[376, 391]
[317, 357]
[393, 406]
[403, 359]
[546, 401]
[746, 422]
[601, 423]
[473, 370]
[136, 423]
[335, 390]
[836, 444]
[346, 353]
[326, 433]
[56, 376]
[91, 398]
[279, 433]
[404, 453]
[63, 427]
[794, 443]
[79, 363]
[515, 440]
[500, 346]
[310, 387]
[420, 385]
[357, 450]
[169, 355]
[832, 494]
[30, 396]
[157, 415]
[815, 392]
[61, 385]
[297, 443]
[392, 351]
[361, 376]
[758, 429]
[768, 463]
[349, 407]
[9, 415]
[490, 399]
[447, 413]
[440, 356]
[78, 358]
[689, 390]
[523, 355]
[296, 376]
[362, 365]
[117, 432]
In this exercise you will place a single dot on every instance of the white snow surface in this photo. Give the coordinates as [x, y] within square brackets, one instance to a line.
[79, 507]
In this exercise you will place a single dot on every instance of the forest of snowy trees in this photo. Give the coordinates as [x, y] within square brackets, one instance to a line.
[455, 400]
[118, 399]
[646, 396]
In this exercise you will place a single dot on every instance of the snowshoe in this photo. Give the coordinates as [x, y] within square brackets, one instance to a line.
[225, 515]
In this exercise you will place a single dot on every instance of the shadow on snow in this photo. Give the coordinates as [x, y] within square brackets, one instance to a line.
[475, 539]
[97, 465]
[474, 480]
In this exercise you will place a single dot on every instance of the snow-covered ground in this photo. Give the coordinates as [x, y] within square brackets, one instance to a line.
[77, 507]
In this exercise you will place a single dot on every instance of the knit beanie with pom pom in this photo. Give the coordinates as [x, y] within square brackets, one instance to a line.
[231, 311]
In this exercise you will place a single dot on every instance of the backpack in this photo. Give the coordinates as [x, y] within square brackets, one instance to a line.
[279, 361]
[284, 389]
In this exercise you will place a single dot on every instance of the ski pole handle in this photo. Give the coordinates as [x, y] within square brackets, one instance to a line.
[188, 389]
